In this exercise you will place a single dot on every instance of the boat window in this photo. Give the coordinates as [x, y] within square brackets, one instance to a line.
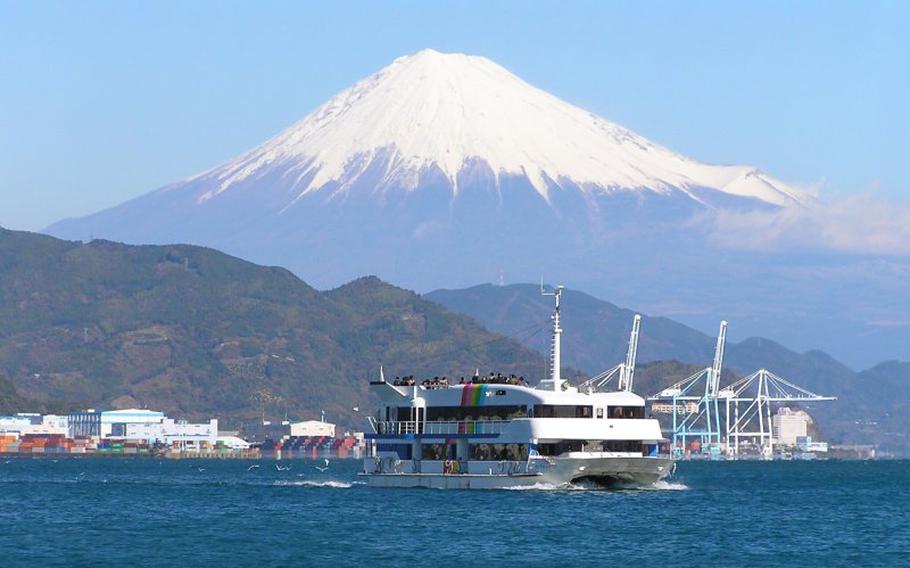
[437, 452]
[563, 446]
[403, 414]
[626, 412]
[403, 450]
[498, 452]
[470, 413]
[562, 411]
[617, 446]
[600, 412]
[558, 448]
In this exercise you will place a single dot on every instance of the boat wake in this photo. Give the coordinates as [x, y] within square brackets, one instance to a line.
[329, 483]
[656, 486]
[666, 486]
[550, 487]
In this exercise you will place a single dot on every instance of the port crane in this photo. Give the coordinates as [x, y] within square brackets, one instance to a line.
[625, 370]
[756, 392]
[695, 403]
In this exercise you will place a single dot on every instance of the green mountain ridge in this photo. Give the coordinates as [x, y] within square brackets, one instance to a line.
[198, 333]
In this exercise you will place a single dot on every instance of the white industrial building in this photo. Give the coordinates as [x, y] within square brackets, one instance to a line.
[133, 424]
[789, 425]
[173, 433]
[27, 423]
[311, 428]
[102, 424]
[805, 444]
[232, 441]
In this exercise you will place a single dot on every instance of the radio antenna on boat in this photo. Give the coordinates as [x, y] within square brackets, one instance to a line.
[555, 359]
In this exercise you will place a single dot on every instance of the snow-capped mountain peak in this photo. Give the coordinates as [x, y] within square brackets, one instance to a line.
[434, 113]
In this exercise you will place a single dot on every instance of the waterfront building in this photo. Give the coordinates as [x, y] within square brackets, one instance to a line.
[312, 428]
[102, 424]
[232, 441]
[170, 432]
[23, 424]
[790, 424]
[805, 444]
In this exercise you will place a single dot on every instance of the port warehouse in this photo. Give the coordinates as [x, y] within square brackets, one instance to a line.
[312, 439]
[129, 431]
[149, 432]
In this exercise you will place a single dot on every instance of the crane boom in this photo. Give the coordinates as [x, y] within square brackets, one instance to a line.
[627, 372]
[718, 365]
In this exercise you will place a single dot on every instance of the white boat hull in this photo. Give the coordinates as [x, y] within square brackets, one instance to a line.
[607, 471]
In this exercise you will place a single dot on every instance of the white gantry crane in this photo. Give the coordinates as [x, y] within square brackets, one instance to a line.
[756, 393]
[695, 410]
[625, 370]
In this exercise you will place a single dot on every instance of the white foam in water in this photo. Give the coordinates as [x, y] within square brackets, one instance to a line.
[330, 483]
[548, 487]
[656, 486]
[668, 486]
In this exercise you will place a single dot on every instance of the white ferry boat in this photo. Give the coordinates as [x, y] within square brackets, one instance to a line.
[496, 432]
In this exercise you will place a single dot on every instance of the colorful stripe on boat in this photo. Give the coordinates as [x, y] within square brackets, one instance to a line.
[466, 428]
[473, 395]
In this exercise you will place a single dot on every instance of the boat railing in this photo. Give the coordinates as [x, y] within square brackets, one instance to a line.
[440, 427]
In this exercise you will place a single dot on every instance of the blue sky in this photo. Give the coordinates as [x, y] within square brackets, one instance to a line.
[100, 102]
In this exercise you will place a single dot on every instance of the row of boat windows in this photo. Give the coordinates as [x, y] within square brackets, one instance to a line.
[513, 452]
[477, 452]
[558, 448]
[503, 412]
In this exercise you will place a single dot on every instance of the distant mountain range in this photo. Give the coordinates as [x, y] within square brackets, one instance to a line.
[444, 170]
[872, 405]
[197, 333]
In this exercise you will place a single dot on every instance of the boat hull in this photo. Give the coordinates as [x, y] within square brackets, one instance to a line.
[619, 472]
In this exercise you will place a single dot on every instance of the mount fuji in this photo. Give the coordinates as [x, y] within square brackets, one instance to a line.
[445, 170]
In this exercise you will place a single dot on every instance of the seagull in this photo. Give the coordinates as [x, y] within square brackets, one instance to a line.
[322, 469]
[279, 468]
[255, 465]
[201, 469]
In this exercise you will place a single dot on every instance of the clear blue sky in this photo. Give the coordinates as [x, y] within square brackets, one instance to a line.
[100, 102]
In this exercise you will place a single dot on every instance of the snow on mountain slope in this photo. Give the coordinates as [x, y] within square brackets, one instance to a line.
[445, 112]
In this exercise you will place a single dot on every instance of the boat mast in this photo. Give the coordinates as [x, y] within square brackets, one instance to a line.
[555, 360]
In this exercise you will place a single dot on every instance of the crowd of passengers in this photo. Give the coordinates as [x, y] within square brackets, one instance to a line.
[443, 382]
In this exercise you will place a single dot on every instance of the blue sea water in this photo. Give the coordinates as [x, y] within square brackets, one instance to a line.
[145, 512]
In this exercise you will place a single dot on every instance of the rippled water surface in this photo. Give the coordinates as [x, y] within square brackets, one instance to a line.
[143, 512]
